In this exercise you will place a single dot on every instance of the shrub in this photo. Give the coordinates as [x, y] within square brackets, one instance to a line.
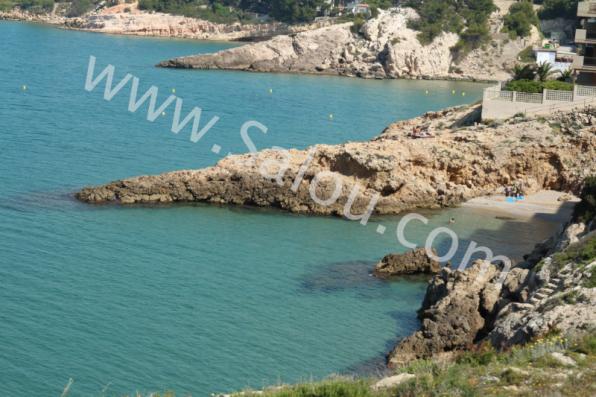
[527, 55]
[359, 21]
[79, 7]
[557, 85]
[524, 86]
[552, 9]
[518, 22]
[468, 18]
[35, 6]
[585, 210]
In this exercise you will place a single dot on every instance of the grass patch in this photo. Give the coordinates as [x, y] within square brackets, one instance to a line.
[582, 254]
[531, 369]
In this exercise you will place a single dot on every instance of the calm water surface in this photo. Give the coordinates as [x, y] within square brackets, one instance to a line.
[195, 299]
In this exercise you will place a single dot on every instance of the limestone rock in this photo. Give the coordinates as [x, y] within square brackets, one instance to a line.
[390, 174]
[392, 381]
[451, 314]
[385, 47]
[563, 359]
[412, 262]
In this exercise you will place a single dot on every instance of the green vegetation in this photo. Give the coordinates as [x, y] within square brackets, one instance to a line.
[581, 254]
[557, 85]
[79, 7]
[468, 18]
[483, 372]
[524, 85]
[585, 211]
[533, 86]
[524, 72]
[552, 9]
[291, 11]
[535, 78]
[518, 22]
[527, 55]
[33, 6]
[544, 71]
[75, 9]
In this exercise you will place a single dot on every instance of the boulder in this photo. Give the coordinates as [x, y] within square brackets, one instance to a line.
[452, 314]
[414, 262]
[392, 381]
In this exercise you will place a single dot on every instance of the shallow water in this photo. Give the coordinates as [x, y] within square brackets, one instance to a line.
[191, 298]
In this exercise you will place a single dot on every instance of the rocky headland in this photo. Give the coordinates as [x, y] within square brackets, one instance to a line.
[393, 172]
[384, 47]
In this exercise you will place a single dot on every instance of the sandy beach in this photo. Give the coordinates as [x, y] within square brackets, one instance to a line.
[544, 203]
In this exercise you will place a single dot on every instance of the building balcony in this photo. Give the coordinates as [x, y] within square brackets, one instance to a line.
[584, 36]
[586, 9]
[584, 64]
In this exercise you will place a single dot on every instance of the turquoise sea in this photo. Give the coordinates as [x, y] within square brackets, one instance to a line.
[191, 298]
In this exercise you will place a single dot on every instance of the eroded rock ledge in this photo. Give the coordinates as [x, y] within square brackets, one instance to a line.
[460, 162]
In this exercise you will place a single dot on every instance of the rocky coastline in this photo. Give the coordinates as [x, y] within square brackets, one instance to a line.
[383, 48]
[393, 172]
[552, 290]
[127, 19]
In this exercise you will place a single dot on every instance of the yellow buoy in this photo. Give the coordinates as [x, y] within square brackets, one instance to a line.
[452, 92]
[173, 90]
[163, 113]
[426, 92]
[463, 94]
[271, 90]
[330, 116]
[24, 87]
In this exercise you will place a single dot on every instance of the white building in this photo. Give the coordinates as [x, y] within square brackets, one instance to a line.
[559, 59]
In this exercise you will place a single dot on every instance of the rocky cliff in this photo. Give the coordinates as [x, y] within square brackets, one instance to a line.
[384, 47]
[554, 290]
[460, 161]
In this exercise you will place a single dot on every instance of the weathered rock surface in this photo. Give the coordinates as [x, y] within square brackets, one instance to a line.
[383, 48]
[451, 313]
[413, 262]
[400, 173]
[464, 308]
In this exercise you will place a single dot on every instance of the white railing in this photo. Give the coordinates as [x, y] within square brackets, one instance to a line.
[585, 90]
[505, 95]
[528, 97]
[559, 107]
[558, 95]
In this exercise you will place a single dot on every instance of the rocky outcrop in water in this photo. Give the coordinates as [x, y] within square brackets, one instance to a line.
[413, 262]
[452, 313]
[392, 173]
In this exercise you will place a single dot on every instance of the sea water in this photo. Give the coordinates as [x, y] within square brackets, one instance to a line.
[191, 298]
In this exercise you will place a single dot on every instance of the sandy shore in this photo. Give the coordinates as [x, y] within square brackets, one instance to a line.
[545, 203]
